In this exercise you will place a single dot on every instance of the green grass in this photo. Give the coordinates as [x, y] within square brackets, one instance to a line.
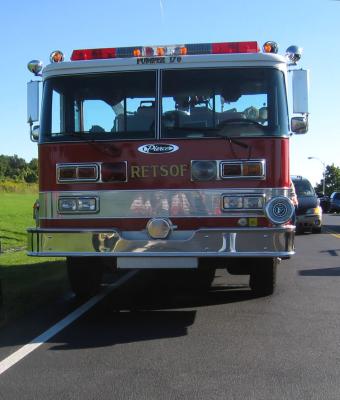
[26, 282]
[16, 215]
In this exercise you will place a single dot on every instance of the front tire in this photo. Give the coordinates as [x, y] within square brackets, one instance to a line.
[263, 276]
[85, 275]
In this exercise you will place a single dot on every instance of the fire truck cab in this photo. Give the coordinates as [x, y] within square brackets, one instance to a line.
[167, 157]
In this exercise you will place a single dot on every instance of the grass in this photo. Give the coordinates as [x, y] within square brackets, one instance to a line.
[26, 282]
[16, 212]
[10, 186]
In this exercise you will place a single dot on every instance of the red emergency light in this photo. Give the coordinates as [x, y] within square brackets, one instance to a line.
[93, 54]
[161, 51]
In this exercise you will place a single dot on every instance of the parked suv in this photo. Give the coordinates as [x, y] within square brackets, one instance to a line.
[324, 202]
[308, 211]
[334, 202]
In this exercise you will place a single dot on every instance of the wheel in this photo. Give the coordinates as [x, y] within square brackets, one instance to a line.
[317, 230]
[85, 275]
[299, 230]
[263, 276]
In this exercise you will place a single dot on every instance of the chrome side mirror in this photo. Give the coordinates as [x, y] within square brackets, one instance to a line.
[32, 101]
[35, 132]
[300, 83]
[299, 125]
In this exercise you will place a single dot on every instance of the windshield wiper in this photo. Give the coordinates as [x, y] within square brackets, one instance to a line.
[218, 131]
[111, 149]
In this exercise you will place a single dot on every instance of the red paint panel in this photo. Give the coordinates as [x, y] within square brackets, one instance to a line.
[168, 170]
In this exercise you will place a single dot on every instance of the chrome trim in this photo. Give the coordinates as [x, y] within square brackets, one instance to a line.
[96, 198]
[126, 171]
[118, 203]
[77, 165]
[159, 228]
[260, 209]
[275, 207]
[96, 165]
[221, 163]
[253, 161]
[225, 242]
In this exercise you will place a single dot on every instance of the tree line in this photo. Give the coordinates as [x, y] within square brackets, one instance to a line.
[332, 180]
[17, 169]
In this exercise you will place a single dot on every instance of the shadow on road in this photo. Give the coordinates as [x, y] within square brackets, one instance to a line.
[143, 316]
[140, 310]
[321, 272]
[332, 228]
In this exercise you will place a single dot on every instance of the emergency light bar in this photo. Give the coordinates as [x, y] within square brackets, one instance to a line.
[160, 51]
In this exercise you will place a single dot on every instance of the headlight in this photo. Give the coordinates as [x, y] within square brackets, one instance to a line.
[67, 205]
[232, 202]
[73, 205]
[253, 202]
[203, 170]
[279, 210]
[313, 211]
[235, 202]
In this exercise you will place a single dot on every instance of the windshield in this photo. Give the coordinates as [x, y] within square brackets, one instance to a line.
[120, 105]
[192, 103]
[303, 188]
[233, 102]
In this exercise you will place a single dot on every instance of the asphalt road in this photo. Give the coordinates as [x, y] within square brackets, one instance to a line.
[142, 343]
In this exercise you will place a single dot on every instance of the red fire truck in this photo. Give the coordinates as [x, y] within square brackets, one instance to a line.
[167, 157]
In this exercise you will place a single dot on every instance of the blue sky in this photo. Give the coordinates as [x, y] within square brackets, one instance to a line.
[33, 30]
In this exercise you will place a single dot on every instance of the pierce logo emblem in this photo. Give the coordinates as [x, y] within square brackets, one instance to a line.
[156, 148]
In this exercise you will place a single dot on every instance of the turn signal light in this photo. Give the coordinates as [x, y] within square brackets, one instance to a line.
[252, 169]
[242, 169]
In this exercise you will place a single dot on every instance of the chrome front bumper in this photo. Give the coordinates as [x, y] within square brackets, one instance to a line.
[226, 242]
[308, 221]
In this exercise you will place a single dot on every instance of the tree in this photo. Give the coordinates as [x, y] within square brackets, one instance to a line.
[332, 181]
[15, 168]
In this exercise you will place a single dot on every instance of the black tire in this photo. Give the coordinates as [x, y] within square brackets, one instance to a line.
[262, 280]
[85, 275]
[317, 230]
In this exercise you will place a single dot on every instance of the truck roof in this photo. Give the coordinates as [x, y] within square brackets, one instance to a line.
[168, 62]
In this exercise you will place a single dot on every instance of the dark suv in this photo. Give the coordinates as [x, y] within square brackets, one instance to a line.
[308, 211]
[334, 202]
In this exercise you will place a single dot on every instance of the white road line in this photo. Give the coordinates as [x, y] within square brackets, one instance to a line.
[59, 326]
